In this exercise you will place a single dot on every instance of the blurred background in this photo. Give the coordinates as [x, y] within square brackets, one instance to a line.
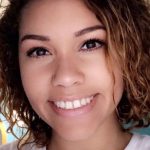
[6, 137]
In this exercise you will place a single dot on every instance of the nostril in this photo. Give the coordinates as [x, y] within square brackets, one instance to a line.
[67, 78]
[65, 81]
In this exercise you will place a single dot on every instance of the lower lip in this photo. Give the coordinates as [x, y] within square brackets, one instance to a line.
[74, 112]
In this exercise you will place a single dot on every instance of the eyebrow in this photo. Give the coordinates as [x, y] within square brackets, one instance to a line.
[78, 33]
[89, 29]
[34, 37]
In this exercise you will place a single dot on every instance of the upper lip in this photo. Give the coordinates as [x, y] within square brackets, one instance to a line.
[70, 98]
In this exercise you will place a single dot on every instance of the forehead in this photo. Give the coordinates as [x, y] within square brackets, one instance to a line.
[55, 13]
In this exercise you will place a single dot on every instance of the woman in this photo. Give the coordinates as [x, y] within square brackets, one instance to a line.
[76, 71]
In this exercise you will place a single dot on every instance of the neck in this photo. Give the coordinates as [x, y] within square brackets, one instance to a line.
[108, 136]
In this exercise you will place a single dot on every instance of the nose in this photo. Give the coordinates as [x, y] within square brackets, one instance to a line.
[67, 74]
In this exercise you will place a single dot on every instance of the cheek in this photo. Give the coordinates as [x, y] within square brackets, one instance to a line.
[118, 87]
[35, 89]
[97, 73]
[32, 80]
[108, 81]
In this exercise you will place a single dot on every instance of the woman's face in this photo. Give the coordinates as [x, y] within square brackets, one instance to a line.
[64, 71]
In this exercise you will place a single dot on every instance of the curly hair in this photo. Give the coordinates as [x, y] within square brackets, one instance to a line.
[128, 29]
[127, 25]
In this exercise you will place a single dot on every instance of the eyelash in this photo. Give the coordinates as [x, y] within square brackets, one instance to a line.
[42, 51]
[97, 44]
[38, 52]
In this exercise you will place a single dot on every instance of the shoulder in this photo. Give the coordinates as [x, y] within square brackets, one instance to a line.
[13, 146]
[9, 146]
[139, 142]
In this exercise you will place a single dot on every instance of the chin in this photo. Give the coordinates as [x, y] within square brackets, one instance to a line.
[74, 135]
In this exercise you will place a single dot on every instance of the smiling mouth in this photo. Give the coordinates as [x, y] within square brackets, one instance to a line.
[73, 104]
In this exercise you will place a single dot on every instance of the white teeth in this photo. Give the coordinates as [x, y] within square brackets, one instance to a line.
[57, 104]
[69, 105]
[76, 104]
[83, 101]
[73, 104]
[88, 100]
[62, 104]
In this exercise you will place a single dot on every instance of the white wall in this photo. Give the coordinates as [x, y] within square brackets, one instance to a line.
[3, 4]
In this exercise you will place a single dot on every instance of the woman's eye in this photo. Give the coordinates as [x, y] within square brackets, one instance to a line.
[92, 44]
[37, 52]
